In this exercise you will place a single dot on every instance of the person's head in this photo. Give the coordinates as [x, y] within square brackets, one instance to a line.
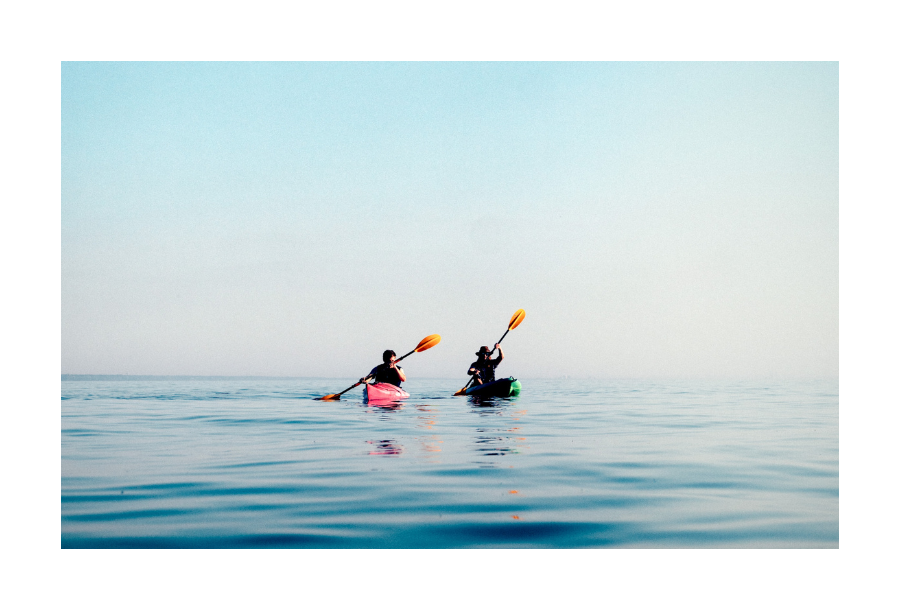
[483, 352]
[388, 356]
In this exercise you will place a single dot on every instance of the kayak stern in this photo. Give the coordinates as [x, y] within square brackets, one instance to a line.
[383, 392]
[502, 388]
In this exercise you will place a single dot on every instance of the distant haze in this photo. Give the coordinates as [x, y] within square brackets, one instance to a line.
[296, 219]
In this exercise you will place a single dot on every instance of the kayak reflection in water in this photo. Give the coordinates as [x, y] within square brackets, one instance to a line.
[495, 402]
[483, 368]
[387, 372]
[386, 447]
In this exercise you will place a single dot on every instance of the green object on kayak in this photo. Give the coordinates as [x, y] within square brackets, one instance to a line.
[502, 388]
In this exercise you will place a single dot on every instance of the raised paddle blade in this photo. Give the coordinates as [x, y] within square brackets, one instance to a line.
[516, 319]
[428, 342]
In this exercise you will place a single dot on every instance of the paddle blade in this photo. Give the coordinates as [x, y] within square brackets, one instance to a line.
[516, 319]
[459, 392]
[428, 342]
[330, 397]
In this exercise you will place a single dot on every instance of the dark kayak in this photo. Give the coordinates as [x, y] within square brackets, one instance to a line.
[501, 387]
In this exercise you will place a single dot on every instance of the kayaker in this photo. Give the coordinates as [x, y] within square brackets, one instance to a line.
[387, 372]
[483, 368]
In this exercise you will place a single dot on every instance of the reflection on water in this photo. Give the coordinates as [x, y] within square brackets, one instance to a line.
[492, 443]
[427, 419]
[383, 409]
[386, 447]
[495, 442]
[489, 442]
[491, 401]
[237, 464]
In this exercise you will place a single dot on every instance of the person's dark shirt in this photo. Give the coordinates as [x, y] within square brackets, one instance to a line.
[385, 374]
[485, 369]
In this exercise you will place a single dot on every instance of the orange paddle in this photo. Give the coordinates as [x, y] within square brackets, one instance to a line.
[426, 343]
[513, 322]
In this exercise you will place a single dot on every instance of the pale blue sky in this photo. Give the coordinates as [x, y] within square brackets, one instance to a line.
[664, 219]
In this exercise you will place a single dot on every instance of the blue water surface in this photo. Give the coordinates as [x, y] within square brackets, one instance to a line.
[254, 462]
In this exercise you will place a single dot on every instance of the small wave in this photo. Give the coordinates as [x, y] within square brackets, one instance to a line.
[131, 514]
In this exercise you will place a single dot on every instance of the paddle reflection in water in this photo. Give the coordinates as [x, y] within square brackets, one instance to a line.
[430, 444]
[427, 418]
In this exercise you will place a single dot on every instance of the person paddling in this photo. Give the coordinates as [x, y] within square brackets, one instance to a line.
[387, 372]
[483, 368]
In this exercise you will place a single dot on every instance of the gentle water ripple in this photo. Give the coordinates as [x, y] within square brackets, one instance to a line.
[238, 463]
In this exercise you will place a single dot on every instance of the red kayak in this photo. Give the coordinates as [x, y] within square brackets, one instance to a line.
[383, 391]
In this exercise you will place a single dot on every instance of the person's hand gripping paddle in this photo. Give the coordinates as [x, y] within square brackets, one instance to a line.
[426, 343]
[513, 322]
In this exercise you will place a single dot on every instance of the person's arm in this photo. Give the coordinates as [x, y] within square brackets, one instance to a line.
[401, 373]
[476, 374]
[368, 378]
[500, 357]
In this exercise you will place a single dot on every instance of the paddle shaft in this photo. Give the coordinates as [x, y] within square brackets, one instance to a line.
[370, 375]
[516, 320]
[426, 343]
[491, 352]
[403, 356]
[462, 390]
[501, 339]
[338, 395]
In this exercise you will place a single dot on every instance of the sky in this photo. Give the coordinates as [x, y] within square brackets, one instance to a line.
[653, 219]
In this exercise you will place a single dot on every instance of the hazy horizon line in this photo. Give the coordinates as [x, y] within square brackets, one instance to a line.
[138, 377]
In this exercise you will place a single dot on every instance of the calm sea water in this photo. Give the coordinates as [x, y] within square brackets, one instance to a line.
[249, 462]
